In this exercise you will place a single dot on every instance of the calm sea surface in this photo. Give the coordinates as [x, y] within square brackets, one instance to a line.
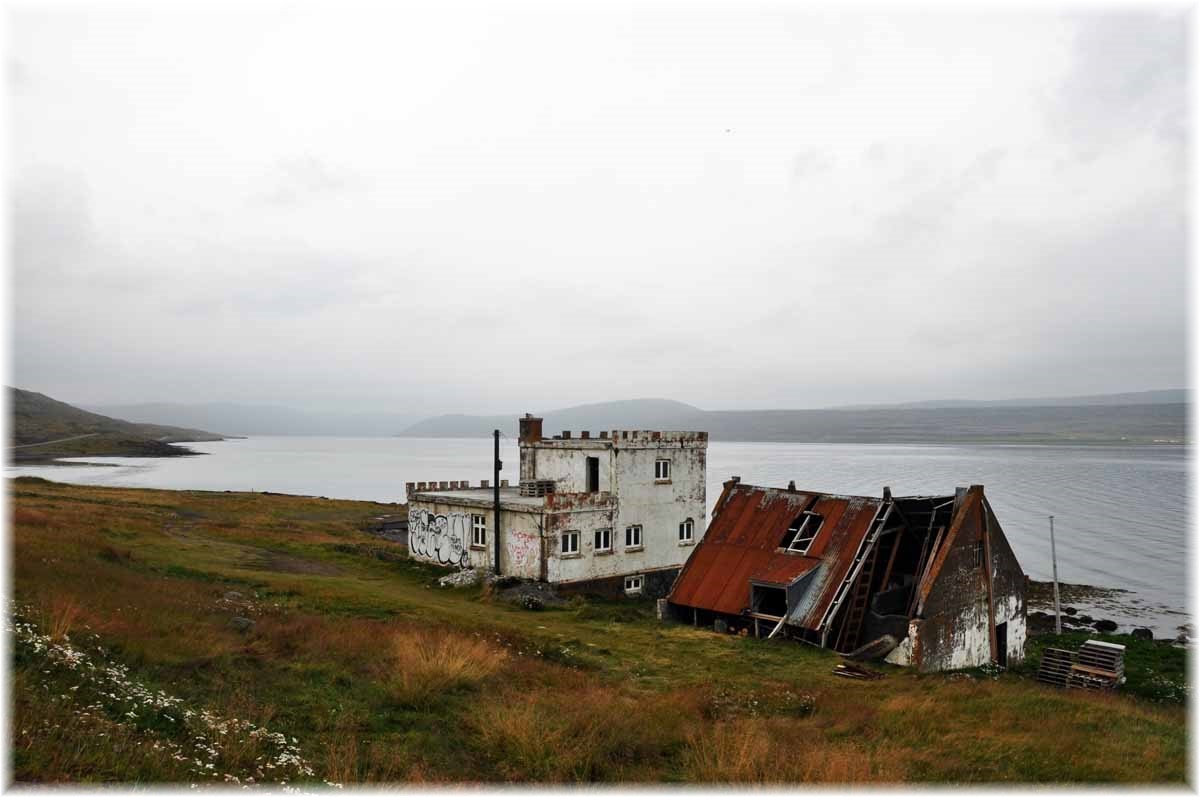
[1120, 512]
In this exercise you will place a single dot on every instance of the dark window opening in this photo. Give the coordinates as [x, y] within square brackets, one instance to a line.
[1002, 644]
[593, 474]
[769, 600]
[802, 532]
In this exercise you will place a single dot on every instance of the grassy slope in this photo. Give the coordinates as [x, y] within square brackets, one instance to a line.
[38, 418]
[380, 675]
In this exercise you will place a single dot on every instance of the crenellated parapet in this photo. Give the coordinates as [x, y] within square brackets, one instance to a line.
[448, 486]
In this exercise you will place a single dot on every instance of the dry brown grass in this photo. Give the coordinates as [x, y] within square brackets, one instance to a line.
[576, 730]
[62, 616]
[780, 751]
[425, 664]
[24, 516]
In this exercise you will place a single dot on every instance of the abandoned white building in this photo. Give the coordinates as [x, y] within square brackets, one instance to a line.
[924, 581]
[614, 514]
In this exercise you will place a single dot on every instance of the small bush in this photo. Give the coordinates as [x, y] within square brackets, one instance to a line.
[117, 555]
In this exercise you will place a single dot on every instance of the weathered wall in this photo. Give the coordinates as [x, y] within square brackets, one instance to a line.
[440, 532]
[566, 463]
[583, 513]
[955, 630]
[629, 495]
[661, 507]
[655, 584]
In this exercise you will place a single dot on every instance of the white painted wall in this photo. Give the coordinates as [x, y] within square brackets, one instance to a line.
[440, 529]
[627, 470]
[659, 507]
[439, 532]
[566, 463]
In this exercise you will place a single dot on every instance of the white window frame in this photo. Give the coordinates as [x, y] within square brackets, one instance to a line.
[597, 534]
[795, 545]
[634, 584]
[570, 544]
[633, 537]
[688, 538]
[479, 531]
[662, 470]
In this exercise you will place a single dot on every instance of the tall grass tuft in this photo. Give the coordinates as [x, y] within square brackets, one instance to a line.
[581, 732]
[778, 751]
[63, 614]
[425, 665]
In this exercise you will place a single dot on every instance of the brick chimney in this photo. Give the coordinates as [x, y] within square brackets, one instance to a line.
[530, 428]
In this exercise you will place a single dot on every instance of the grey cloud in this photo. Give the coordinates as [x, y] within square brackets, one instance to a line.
[298, 180]
[896, 214]
[1127, 78]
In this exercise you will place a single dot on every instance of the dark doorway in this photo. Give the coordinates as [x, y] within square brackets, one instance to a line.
[593, 474]
[1002, 644]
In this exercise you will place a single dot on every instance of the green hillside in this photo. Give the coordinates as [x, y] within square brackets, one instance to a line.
[44, 429]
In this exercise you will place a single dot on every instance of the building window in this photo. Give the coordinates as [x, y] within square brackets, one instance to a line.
[687, 532]
[802, 532]
[593, 474]
[633, 585]
[603, 541]
[633, 537]
[570, 543]
[662, 470]
[478, 531]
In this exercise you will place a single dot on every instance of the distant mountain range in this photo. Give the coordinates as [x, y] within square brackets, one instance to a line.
[1173, 396]
[1154, 415]
[1132, 418]
[44, 429]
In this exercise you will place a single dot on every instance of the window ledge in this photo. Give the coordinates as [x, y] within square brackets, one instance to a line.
[603, 553]
[687, 542]
[475, 547]
[570, 556]
[635, 548]
[662, 481]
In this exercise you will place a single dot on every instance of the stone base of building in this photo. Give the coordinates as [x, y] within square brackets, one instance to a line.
[655, 584]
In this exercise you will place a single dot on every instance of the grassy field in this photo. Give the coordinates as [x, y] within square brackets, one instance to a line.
[167, 636]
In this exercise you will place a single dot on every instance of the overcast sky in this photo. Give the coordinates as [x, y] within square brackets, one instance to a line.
[450, 208]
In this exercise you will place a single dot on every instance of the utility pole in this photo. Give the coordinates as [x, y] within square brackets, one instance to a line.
[1054, 566]
[496, 503]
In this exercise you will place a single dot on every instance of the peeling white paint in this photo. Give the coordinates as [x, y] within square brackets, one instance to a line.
[629, 494]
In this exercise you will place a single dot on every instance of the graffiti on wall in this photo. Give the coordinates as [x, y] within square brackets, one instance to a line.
[439, 538]
[523, 550]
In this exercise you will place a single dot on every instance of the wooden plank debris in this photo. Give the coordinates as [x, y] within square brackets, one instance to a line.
[857, 673]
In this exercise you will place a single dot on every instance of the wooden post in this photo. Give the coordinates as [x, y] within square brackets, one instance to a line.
[1054, 566]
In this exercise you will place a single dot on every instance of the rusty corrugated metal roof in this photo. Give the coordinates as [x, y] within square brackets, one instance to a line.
[742, 544]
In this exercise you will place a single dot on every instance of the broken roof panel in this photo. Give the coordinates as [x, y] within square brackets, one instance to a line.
[743, 543]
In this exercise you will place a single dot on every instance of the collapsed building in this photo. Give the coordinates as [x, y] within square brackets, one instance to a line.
[926, 581]
[615, 514]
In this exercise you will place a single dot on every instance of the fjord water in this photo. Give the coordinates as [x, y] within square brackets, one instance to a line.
[1120, 511]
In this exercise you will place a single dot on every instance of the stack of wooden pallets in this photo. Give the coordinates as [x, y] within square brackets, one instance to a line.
[535, 487]
[1056, 667]
[1097, 665]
